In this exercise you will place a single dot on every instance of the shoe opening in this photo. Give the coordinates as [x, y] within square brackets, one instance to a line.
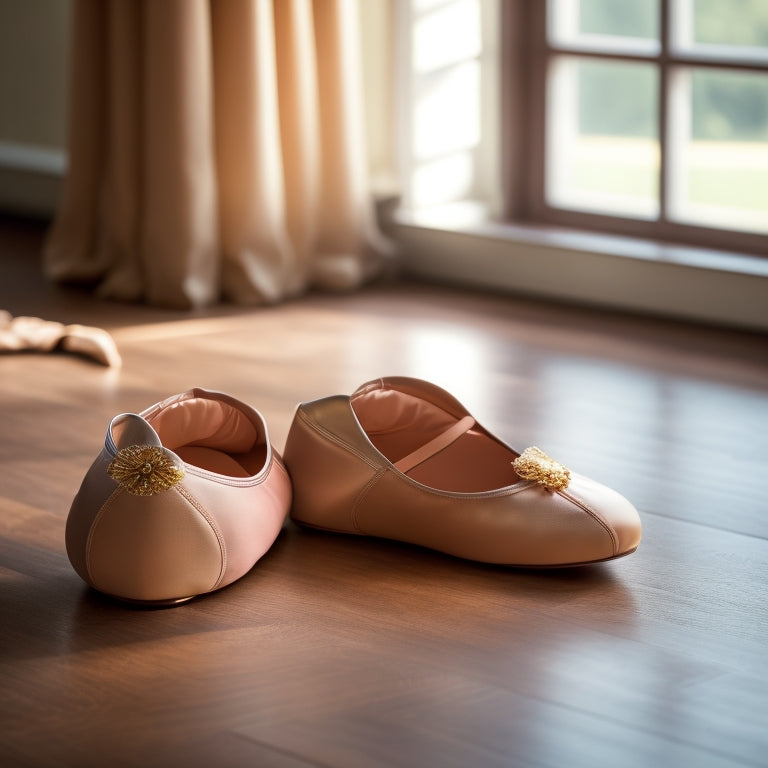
[432, 446]
[214, 435]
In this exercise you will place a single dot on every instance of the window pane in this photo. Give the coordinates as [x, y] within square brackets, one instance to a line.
[618, 17]
[722, 27]
[602, 142]
[731, 22]
[601, 23]
[719, 149]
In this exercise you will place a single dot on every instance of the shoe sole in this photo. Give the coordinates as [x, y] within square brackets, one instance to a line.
[168, 603]
[535, 566]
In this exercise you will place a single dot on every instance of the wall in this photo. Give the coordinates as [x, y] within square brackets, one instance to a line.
[34, 38]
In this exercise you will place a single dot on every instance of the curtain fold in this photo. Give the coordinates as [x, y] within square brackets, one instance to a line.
[216, 151]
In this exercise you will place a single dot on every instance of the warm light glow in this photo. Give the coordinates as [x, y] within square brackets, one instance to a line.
[446, 35]
[447, 112]
[446, 106]
[444, 180]
[450, 358]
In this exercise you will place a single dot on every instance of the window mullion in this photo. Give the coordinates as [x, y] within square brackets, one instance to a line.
[595, 53]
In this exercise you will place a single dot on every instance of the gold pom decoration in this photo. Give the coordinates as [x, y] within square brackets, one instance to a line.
[144, 470]
[534, 464]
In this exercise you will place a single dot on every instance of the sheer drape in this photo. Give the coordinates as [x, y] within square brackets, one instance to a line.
[215, 150]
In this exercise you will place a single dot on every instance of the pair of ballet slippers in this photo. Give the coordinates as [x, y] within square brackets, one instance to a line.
[34, 333]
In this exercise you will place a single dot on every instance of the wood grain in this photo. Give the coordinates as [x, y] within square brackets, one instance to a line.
[348, 652]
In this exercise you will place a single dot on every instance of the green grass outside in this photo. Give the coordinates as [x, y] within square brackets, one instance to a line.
[729, 176]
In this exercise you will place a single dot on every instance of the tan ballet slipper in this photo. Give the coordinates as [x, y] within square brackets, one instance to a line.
[20, 333]
[93, 342]
[33, 333]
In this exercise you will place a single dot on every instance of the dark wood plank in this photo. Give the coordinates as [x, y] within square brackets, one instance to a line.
[343, 651]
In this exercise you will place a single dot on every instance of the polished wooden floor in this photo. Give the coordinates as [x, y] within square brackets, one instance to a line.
[347, 652]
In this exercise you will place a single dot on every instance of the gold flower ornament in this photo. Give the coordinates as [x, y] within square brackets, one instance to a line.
[534, 464]
[144, 470]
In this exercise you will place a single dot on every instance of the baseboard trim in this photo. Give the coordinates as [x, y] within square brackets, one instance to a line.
[30, 178]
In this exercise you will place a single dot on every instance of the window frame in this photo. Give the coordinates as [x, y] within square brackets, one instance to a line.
[526, 53]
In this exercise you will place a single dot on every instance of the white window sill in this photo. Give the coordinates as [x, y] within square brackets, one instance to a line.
[458, 244]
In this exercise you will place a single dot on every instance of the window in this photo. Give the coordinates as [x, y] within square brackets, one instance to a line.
[607, 152]
[643, 118]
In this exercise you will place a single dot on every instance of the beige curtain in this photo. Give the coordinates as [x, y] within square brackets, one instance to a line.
[216, 151]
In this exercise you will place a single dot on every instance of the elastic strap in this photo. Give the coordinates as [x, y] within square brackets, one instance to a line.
[435, 445]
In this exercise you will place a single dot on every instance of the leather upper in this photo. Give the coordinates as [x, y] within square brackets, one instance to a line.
[466, 500]
[203, 533]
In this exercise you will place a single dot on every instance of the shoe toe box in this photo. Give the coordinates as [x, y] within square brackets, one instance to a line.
[610, 508]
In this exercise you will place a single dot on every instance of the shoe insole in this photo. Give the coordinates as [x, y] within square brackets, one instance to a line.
[212, 460]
